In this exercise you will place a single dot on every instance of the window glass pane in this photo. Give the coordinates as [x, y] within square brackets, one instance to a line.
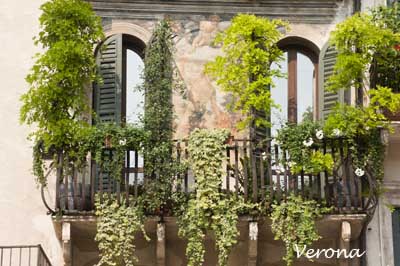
[305, 86]
[134, 98]
[280, 96]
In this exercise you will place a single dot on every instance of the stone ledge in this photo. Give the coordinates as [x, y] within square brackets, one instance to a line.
[307, 11]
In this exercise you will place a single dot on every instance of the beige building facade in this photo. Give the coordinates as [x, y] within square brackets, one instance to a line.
[69, 239]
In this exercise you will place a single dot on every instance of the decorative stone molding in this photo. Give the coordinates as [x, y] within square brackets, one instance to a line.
[305, 11]
[121, 27]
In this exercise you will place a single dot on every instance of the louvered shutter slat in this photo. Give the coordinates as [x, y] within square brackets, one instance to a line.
[328, 99]
[107, 95]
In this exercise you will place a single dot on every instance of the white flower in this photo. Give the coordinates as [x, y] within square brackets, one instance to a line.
[337, 132]
[264, 155]
[319, 134]
[367, 128]
[292, 164]
[278, 168]
[359, 172]
[122, 142]
[308, 142]
[275, 142]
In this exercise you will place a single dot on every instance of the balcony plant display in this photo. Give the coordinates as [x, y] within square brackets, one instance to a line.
[208, 209]
[56, 104]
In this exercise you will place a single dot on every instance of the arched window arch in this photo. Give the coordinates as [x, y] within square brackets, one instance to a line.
[297, 93]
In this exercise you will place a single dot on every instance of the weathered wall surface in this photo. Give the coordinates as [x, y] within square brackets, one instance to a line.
[23, 216]
[202, 104]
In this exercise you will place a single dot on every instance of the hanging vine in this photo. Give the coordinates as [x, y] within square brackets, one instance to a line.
[117, 225]
[209, 209]
[293, 222]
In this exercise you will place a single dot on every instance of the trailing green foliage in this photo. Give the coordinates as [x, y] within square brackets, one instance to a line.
[117, 225]
[368, 59]
[303, 143]
[109, 137]
[360, 127]
[293, 222]
[209, 209]
[56, 99]
[250, 48]
[361, 42]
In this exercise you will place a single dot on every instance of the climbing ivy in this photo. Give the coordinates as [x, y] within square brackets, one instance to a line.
[250, 48]
[159, 84]
[209, 209]
[117, 225]
[293, 222]
[56, 99]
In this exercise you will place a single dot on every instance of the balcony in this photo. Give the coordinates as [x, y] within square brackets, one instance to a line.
[23, 255]
[259, 174]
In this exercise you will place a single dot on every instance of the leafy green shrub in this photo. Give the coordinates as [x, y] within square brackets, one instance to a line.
[250, 48]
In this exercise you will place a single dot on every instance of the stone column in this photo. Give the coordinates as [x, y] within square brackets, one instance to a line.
[253, 244]
[66, 244]
[345, 237]
[160, 247]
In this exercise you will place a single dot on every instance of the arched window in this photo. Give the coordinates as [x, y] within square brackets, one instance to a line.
[297, 93]
[120, 62]
[116, 99]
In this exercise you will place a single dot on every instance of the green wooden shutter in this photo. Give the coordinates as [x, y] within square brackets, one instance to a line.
[107, 98]
[107, 95]
[327, 99]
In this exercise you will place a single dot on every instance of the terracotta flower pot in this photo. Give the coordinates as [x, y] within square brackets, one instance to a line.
[230, 140]
[107, 141]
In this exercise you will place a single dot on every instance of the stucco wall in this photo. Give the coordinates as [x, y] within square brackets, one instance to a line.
[23, 216]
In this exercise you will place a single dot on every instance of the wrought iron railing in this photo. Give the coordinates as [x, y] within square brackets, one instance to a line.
[28, 255]
[258, 173]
